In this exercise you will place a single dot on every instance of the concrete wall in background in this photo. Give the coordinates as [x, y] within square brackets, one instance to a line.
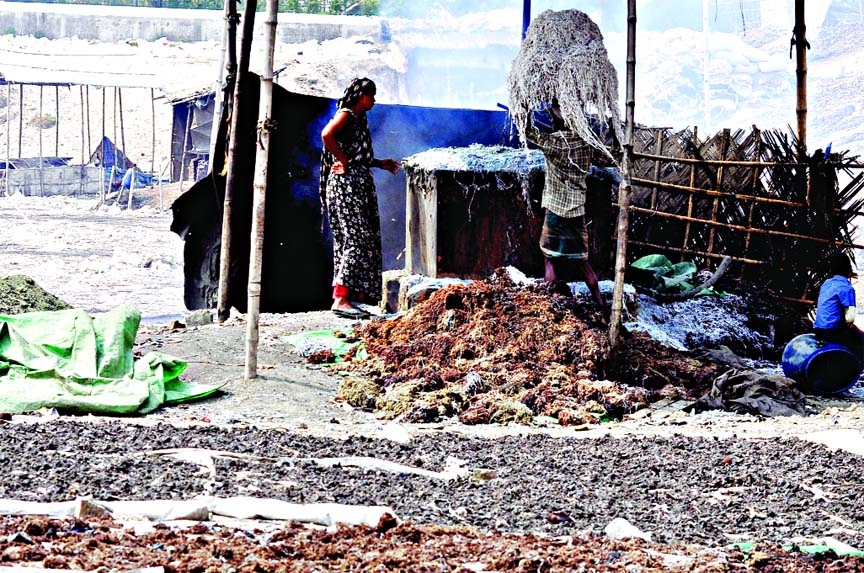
[118, 23]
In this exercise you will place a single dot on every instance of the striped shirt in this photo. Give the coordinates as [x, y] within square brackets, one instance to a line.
[568, 159]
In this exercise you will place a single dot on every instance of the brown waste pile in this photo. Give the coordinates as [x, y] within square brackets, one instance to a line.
[102, 545]
[20, 294]
[494, 352]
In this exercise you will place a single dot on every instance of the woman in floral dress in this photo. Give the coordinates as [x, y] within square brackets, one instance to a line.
[348, 191]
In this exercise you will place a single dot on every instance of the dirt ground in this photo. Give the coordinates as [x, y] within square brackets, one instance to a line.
[96, 259]
[556, 489]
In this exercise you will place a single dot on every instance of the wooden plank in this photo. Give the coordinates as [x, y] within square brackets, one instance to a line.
[421, 243]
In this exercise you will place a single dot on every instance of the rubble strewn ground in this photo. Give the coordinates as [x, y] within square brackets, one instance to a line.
[705, 480]
[693, 496]
[102, 544]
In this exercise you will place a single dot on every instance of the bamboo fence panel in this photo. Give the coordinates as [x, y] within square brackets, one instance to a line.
[744, 194]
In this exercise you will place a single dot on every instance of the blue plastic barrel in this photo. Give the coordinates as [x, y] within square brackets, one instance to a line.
[820, 367]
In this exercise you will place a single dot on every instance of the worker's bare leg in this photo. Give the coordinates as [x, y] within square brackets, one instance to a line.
[569, 270]
[550, 272]
[591, 282]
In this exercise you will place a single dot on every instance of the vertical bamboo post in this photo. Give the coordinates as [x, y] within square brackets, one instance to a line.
[526, 16]
[692, 186]
[185, 145]
[658, 150]
[132, 186]
[264, 126]
[41, 171]
[756, 173]
[724, 148]
[227, 74]
[20, 116]
[801, 77]
[223, 309]
[8, 136]
[153, 132]
[706, 63]
[56, 121]
[83, 148]
[624, 191]
[89, 138]
[115, 167]
[102, 146]
[122, 130]
[161, 175]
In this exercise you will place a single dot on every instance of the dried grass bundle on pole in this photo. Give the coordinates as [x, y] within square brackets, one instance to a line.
[563, 59]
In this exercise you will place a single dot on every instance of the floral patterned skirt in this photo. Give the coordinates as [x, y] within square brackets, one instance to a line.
[352, 206]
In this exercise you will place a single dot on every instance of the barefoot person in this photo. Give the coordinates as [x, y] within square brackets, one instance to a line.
[348, 191]
[564, 240]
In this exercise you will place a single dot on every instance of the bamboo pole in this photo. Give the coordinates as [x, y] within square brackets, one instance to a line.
[801, 78]
[264, 127]
[41, 171]
[717, 162]
[122, 130]
[756, 174]
[692, 185]
[185, 145]
[658, 145]
[153, 131]
[700, 253]
[223, 309]
[132, 186]
[706, 59]
[20, 116]
[115, 141]
[624, 191]
[102, 145]
[83, 148]
[56, 121]
[742, 228]
[739, 196]
[710, 193]
[8, 136]
[89, 138]
[227, 75]
[724, 148]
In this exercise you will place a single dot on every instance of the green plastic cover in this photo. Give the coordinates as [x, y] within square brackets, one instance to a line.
[68, 360]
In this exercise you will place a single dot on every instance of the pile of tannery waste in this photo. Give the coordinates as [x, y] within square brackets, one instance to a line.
[19, 294]
[492, 351]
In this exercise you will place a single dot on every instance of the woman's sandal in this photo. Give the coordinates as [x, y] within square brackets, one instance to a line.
[354, 313]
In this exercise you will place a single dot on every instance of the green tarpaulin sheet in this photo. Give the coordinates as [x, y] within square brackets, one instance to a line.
[68, 360]
[669, 277]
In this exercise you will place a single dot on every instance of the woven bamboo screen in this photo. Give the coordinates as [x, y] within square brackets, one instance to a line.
[741, 194]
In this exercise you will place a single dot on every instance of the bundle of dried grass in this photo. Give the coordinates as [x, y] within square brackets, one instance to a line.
[563, 58]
